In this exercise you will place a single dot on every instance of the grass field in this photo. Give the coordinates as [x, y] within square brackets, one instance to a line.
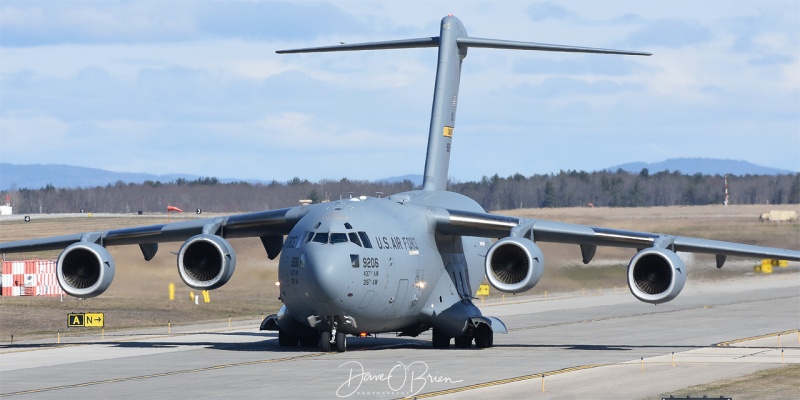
[770, 384]
[139, 294]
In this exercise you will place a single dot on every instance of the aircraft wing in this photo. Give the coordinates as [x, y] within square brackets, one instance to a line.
[270, 226]
[465, 223]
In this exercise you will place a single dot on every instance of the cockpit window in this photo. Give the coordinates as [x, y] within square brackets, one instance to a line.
[354, 238]
[338, 238]
[321, 237]
[348, 226]
[358, 238]
[365, 239]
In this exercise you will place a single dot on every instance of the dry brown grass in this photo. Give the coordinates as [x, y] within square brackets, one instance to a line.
[139, 295]
[770, 384]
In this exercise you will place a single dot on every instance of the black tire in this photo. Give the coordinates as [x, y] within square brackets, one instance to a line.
[483, 336]
[325, 341]
[286, 340]
[341, 342]
[464, 341]
[440, 341]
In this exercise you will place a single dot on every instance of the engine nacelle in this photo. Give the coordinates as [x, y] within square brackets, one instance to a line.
[206, 262]
[656, 275]
[514, 265]
[85, 269]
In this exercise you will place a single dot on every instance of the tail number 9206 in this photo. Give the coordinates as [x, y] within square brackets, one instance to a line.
[368, 262]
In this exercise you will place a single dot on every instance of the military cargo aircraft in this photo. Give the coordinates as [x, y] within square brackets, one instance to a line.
[405, 263]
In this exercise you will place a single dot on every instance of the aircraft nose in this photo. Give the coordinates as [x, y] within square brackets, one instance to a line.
[327, 272]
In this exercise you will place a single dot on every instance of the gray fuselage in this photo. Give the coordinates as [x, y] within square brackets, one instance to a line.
[380, 262]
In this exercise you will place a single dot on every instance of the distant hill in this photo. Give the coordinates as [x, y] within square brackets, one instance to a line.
[37, 176]
[65, 176]
[705, 166]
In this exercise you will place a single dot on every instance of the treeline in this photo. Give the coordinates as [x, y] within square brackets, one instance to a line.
[623, 189]
[565, 189]
[207, 194]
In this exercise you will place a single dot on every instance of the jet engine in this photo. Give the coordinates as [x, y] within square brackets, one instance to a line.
[514, 265]
[206, 262]
[85, 269]
[656, 275]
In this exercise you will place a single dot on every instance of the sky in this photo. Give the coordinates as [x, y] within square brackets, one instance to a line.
[196, 87]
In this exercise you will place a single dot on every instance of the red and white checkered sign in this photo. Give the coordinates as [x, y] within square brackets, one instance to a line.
[30, 278]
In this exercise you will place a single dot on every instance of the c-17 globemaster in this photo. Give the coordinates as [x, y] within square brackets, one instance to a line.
[405, 263]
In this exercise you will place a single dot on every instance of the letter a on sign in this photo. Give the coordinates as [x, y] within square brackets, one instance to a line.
[75, 320]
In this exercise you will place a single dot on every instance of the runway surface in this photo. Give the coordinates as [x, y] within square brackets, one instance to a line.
[588, 345]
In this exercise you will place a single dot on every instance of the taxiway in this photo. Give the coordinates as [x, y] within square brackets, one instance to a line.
[587, 344]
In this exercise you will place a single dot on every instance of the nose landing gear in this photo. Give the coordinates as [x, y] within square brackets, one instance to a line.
[341, 342]
[333, 338]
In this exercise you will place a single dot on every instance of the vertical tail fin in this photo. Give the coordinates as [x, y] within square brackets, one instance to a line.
[453, 43]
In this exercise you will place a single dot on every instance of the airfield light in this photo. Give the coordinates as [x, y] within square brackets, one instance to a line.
[277, 283]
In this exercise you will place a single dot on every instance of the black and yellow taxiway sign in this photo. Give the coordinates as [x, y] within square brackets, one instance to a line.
[89, 320]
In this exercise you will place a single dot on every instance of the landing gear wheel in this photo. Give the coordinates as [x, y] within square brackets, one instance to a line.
[483, 336]
[325, 341]
[440, 341]
[464, 341]
[286, 340]
[341, 342]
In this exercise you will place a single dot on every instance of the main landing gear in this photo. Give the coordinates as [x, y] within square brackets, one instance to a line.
[326, 340]
[481, 334]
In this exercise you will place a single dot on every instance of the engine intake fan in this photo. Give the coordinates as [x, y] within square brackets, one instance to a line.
[85, 269]
[514, 265]
[656, 275]
[206, 262]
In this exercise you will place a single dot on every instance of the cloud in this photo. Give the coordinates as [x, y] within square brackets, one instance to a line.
[291, 130]
[673, 33]
[40, 23]
[34, 23]
[576, 65]
[767, 38]
[23, 135]
[561, 86]
[771, 59]
[208, 95]
[545, 11]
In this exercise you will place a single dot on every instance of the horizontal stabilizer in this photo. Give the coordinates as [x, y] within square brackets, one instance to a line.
[392, 44]
[462, 41]
[510, 44]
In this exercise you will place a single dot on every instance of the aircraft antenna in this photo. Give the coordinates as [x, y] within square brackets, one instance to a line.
[453, 43]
